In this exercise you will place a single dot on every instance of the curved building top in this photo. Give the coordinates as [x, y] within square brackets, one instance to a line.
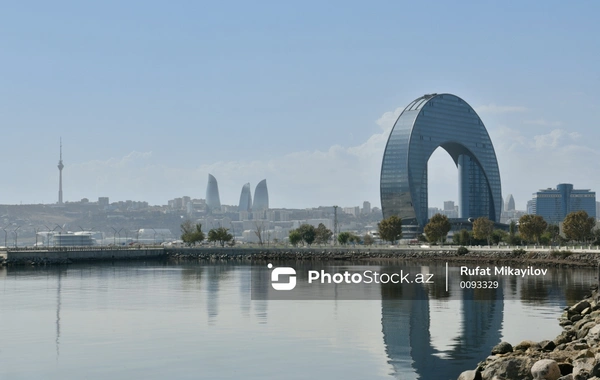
[213, 201]
[261, 196]
[429, 122]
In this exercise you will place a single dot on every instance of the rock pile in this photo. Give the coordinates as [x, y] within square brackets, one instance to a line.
[572, 355]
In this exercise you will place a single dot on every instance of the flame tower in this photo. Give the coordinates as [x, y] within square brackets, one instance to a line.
[60, 168]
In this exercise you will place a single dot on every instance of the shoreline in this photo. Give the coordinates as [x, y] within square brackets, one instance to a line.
[572, 355]
[564, 258]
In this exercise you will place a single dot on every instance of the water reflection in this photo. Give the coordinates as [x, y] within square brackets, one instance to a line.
[203, 312]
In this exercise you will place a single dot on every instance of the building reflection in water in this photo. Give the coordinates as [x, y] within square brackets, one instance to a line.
[468, 322]
[406, 325]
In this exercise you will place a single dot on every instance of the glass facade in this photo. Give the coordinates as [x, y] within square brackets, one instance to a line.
[213, 201]
[261, 196]
[245, 199]
[555, 204]
[429, 122]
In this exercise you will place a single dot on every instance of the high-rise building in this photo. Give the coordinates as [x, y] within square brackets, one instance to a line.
[261, 196]
[510, 203]
[60, 169]
[213, 202]
[427, 123]
[448, 205]
[366, 207]
[555, 204]
[245, 199]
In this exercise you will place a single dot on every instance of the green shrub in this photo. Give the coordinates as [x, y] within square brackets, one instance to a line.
[560, 254]
[462, 250]
[519, 251]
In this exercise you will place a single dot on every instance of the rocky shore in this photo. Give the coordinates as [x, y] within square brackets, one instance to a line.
[515, 257]
[529, 256]
[572, 355]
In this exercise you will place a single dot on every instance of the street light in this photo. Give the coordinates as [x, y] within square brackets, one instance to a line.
[115, 235]
[4, 229]
[59, 234]
[154, 243]
[15, 232]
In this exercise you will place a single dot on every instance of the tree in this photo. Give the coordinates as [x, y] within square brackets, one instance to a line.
[553, 231]
[531, 227]
[220, 235]
[462, 237]
[343, 237]
[390, 229]
[498, 236]
[511, 238]
[483, 228]
[295, 237]
[260, 229]
[308, 233]
[368, 239]
[578, 226]
[354, 239]
[322, 234]
[190, 233]
[437, 229]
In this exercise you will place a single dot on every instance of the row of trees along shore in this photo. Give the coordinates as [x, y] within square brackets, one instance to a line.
[192, 234]
[308, 235]
[578, 227]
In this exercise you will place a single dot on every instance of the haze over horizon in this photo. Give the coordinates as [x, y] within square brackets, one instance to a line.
[150, 97]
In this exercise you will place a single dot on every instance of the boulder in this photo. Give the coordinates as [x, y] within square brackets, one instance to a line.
[502, 348]
[508, 368]
[583, 366]
[547, 345]
[579, 307]
[593, 333]
[470, 375]
[524, 345]
[545, 369]
[584, 329]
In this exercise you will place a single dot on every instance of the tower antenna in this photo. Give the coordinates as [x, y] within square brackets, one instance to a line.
[60, 169]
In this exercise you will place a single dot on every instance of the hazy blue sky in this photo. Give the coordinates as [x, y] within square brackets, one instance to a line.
[149, 97]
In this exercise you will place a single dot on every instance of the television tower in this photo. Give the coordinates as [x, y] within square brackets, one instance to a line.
[60, 168]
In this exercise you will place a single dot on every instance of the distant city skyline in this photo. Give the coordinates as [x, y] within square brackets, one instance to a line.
[151, 102]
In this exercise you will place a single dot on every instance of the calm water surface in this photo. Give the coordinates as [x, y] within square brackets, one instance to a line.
[197, 321]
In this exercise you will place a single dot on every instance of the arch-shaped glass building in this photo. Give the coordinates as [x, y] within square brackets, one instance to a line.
[213, 201]
[429, 122]
[245, 198]
[261, 196]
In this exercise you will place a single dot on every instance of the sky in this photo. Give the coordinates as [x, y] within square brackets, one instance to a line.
[149, 97]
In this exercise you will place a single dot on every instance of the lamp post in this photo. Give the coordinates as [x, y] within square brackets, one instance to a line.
[114, 235]
[59, 234]
[154, 242]
[16, 236]
[4, 229]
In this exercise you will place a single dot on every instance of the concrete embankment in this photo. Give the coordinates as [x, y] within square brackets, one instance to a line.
[578, 257]
[80, 254]
[572, 355]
